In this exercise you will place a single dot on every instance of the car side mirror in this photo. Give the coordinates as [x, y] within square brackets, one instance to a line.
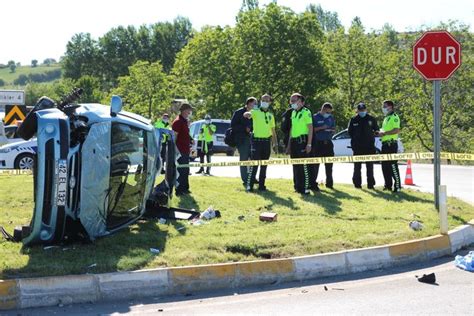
[115, 105]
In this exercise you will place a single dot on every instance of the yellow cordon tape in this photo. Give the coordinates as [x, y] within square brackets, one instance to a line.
[337, 159]
[14, 172]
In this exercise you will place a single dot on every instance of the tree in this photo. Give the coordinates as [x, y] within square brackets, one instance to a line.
[145, 91]
[34, 63]
[12, 68]
[328, 20]
[81, 57]
[2, 82]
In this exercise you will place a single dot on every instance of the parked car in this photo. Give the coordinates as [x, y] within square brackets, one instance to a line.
[342, 144]
[95, 170]
[217, 138]
[18, 155]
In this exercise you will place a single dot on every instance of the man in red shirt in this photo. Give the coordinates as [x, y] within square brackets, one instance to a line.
[180, 127]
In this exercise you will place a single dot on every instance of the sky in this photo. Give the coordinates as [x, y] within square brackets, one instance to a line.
[39, 29]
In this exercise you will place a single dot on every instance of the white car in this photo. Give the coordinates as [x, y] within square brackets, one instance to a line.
[218, 138]
[342, 144]
[8, 134]
[18, 155]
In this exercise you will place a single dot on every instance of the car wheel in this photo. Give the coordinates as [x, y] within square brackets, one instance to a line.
[25, 162]
[230, 152]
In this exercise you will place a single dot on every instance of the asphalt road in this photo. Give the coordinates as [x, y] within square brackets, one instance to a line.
[392, 291]
[458, 179]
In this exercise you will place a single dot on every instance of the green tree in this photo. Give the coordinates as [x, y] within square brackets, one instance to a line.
[328, 20]
[81, 57]
[34, 63]
[12, 65]
[145, 91]
[2, 82]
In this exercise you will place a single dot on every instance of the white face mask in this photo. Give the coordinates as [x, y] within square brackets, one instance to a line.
[264, 105]
[208, 121]
[255, 106]
[294, 106]
[385, 111]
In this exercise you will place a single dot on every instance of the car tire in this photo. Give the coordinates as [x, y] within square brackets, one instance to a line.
[25, 162]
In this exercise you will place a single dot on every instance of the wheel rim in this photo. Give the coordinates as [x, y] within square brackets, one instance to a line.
[26, 163]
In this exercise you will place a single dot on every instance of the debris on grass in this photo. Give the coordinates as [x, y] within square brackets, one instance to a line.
[268, 217]
[416, 225]
[154, 251]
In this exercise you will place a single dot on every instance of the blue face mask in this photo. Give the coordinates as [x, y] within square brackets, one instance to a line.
[294, 106]
[326, 115]
[255, 106]
[362, 114]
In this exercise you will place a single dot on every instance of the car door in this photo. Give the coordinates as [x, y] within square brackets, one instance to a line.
[342, 144]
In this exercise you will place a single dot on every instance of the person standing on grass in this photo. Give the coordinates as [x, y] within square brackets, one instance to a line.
[183, 142]
[300, 142]
[164, 122]
[263, 127]
[242, 127]
[205, 143]
[362, 129]
[389, 137]
[324, 127]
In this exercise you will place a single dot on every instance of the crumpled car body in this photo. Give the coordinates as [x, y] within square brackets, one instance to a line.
[95, 171]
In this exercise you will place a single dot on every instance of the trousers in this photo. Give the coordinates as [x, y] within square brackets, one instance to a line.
[260, 150]
[390, 171]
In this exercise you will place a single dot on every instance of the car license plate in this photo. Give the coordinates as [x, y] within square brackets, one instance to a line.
[61, 180]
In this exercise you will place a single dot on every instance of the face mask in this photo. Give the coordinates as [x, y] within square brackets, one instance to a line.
[264, 105]
[166, 120]
[255, 106]
[385, 111]
[326, 115]
[362, 114]
[294, 106]
[208, 121]
[190, 116]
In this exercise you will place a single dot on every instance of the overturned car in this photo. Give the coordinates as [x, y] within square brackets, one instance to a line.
[95, 169]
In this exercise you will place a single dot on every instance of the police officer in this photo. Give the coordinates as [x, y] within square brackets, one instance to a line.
[242, 127]
[389, 136]
[324, 127]
[205, 143]
[362, 129]
[263, 127]
[164, 122]
[300, 142]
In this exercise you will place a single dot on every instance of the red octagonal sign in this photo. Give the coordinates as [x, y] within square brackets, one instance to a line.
[436, 55]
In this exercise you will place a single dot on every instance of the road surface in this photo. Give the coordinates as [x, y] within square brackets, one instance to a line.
[392, 291]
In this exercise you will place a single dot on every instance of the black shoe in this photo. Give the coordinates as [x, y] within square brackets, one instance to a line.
[163, 171]
[208, 173]
[200, 171]
[249, 188]
[303, 192]
[370, 187]
[396, 190]
[330, 186]
[358, 186]
[387, 189]
[262, 188]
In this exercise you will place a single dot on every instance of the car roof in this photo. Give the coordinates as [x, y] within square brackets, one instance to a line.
[213, 121]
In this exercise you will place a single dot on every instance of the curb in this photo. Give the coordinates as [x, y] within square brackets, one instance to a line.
[50, 291]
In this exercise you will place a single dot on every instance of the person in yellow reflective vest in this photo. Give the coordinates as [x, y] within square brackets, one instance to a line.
[164, 122]
[205, 143]
[389, 137]
[262, 137]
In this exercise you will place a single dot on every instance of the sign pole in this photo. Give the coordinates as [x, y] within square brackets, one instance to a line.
[437, 139]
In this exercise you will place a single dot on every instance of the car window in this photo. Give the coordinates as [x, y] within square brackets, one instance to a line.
[221, 127]
[192, 129]
[342, 135]
[10, 132]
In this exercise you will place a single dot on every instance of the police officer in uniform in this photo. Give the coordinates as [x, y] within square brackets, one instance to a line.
[164, 122]
[389, 136]
[324, 127]
[205, 142]
[300, 142]
[263, 127]
[362, 129]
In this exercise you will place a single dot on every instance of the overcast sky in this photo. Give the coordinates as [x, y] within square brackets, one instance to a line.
[38, 29]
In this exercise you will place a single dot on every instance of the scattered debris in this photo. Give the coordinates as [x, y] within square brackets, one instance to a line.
[427, 278]
[197, 222]
[241, 218]
[50, 247]
[416, 225]
[325, 288]
[162, 221]
[304, 291]
[160, 309]
[210, 213]
[465, 262]
[337, 289]
[92, 265]
[268, 217]
[154, 251]
[180, 228]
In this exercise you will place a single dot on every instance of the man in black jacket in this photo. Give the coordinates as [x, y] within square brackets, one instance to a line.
[362, 129]
[241, 128]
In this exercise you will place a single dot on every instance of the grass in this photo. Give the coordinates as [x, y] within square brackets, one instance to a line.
[332, 220]
[9, 77]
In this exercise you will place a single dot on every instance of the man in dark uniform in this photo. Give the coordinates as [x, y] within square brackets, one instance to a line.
[324, 127]
[301, 136]
[362, 129]
[242, 127]
[389, 136]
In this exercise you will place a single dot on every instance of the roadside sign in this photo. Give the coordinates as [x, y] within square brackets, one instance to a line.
[436, 56]
[14, 113]
[12, 97]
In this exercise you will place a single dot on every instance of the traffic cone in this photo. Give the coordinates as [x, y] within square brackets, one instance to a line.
[409, 175]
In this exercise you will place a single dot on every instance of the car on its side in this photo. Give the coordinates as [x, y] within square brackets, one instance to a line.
[18, 155]
[218, 138]
[342, 144]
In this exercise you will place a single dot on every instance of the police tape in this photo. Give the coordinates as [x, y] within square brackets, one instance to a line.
[335, 159]
[15, 172]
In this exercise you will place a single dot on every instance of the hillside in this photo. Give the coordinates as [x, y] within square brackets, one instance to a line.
[9, 77]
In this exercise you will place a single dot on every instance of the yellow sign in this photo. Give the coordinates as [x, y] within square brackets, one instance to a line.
[14, 113]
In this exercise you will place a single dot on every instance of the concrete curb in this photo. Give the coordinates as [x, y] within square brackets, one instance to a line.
[49, 291]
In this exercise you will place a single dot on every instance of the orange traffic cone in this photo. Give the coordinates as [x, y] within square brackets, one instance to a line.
[409, 175]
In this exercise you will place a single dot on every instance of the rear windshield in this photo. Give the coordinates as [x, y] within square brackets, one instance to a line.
[221, 127]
